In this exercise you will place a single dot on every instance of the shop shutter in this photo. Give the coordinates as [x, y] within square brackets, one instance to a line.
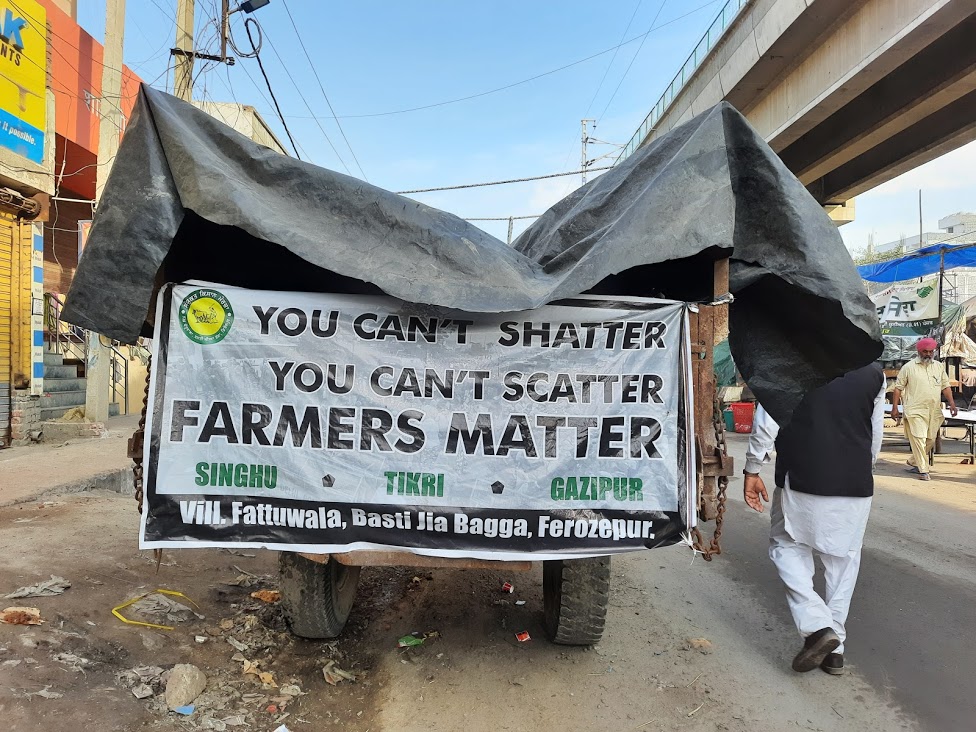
[9, 231]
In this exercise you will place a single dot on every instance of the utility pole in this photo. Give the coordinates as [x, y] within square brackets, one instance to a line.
[920, 243]
[98, 357]
[183, 71]
[583, 140]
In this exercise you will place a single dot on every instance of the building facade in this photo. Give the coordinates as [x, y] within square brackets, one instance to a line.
[50, 112]
[26, 183]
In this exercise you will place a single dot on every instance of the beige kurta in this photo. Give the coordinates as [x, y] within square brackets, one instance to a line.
[921, 386]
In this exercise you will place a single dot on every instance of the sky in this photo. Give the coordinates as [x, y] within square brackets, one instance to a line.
[370, 59]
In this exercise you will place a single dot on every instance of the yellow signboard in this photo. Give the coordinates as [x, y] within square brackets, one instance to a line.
[23, 77]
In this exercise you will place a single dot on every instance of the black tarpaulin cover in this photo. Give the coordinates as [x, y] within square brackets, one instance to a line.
[190, 198]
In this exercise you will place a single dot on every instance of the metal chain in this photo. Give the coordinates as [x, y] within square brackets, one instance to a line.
[137, 440]
[714, 548]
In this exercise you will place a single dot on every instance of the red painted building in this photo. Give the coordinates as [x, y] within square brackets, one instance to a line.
[75, 62]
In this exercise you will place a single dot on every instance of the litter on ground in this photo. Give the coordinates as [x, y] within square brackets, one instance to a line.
[334, 675]
[21, 616]
[49, 588]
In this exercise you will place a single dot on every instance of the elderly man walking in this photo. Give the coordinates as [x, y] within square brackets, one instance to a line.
[824, 484]
[920, 386]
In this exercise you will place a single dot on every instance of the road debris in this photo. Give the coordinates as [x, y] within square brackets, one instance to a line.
[184, 683]
[74, 662]
[158, 605]
[508, 587]
[142, 691]
[49, 588]
[200, 638]
[21, 616]
[414, 639]
[44, 693]
[237, 645]
[523, 636]
[247, 579]
[334, 675]
[185, 710]
[520, 602]
[268, 596]
[142, 678]
[253, 667]
[699, 644]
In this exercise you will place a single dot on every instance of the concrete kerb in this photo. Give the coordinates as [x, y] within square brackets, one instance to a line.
[114, 481]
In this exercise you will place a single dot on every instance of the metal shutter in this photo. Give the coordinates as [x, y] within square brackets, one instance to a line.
[9, 281]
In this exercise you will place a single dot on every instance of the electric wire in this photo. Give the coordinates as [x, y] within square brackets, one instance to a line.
[606, 71]
[636, 54]
[613, 58]
[322, 89]
[301, 96]
[524, 81]
[257, 57]
[501, 182]
[500, 218]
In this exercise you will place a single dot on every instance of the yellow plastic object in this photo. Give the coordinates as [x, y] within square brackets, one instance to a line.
[116, 613]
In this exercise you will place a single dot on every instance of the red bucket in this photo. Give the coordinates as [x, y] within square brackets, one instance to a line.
[742, 414]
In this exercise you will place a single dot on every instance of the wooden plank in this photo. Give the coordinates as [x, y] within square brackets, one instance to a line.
[711, 323]
[408, 559]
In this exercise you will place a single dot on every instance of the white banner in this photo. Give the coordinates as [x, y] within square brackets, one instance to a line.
[904, 307]
[324, 423]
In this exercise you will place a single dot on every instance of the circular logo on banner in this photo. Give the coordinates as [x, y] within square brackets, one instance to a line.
[206, 316]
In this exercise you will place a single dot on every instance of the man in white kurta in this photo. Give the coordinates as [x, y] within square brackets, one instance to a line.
[803, 523]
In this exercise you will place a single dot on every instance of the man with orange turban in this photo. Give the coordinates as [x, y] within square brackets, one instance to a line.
[920, 386]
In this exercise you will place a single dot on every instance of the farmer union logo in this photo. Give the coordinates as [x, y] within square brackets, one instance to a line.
[206, 316]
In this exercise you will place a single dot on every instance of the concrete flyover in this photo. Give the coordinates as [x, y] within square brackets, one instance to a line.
[849, 93]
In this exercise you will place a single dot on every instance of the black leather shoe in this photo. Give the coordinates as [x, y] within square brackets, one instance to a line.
[815, 649]
[833, 664]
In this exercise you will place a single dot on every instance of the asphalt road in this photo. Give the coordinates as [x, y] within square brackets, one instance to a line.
[912, 628]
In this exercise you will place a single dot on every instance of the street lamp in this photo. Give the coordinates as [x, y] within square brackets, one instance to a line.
[248, 6]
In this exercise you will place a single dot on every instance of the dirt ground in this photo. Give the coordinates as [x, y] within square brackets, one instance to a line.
[471, 673]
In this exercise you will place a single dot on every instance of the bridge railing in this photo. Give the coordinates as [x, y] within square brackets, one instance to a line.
[715, 31]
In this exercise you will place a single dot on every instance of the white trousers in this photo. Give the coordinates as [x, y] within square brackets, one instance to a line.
[794, 562]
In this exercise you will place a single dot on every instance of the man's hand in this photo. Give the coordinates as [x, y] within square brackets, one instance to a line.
[953, 410]
[753, 489]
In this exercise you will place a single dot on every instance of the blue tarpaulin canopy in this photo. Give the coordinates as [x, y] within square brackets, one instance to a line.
[923, 262]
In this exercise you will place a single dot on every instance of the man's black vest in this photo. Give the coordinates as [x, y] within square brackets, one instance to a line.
[826, 449]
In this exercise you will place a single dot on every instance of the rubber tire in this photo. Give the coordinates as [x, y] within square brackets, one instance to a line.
[316, 597]
[575, 594]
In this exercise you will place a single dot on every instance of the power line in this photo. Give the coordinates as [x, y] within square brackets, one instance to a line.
[260, 93]
[636, 54]
[500, 218]
[508, 86]
[322, 89]
[531, 78]
[301, 96]
[614, 58]
[257, 56]
[501, 182]
[606, 71]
